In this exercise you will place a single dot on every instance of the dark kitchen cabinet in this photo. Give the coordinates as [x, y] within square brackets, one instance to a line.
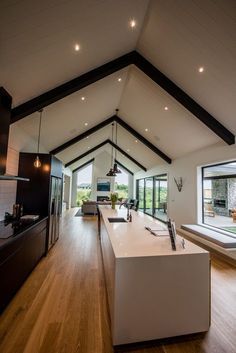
[18, 257]
[43, 193]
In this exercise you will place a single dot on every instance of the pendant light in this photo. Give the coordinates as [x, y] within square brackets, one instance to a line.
[115, 167]
[111, 171]
[37, 162]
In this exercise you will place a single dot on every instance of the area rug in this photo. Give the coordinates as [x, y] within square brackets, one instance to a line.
[79, 213]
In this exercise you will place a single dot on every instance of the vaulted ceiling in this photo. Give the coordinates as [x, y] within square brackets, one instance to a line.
[37, 54]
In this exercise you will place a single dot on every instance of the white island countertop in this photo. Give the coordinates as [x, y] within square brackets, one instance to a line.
[153, 291]
[131, 239]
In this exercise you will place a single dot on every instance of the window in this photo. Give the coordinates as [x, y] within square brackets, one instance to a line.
[160, 210]
[140, 194]
[149, 196]
[219, 196]
[122, 184]
[84, 184]
[152, 196]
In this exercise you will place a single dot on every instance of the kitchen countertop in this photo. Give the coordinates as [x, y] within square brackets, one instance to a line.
[11, 231]
[131, 239]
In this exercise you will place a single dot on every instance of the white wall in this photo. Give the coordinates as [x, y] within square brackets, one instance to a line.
[67, 187]
[182, 206]
[101, 166]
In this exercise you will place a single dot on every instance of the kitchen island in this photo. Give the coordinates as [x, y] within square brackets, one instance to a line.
[153, 291]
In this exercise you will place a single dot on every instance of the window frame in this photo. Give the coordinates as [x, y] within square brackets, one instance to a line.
[202, 223]
[153, 195]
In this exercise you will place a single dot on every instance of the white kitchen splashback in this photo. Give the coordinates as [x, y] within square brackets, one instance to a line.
[8, 188]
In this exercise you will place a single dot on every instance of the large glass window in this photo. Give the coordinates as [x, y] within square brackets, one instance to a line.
[122, 184]
[160, 196]
[152, 196]
[219, 196]
[140, 194]
[84, 184]
[149, 195]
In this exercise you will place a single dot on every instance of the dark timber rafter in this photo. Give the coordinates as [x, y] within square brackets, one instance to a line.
[99, 146]
[123, 167]
[144, 65]
[102, 125]
[83, 165]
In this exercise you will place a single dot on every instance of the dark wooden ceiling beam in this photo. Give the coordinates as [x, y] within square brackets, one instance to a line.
[123, 167]
[127, 156]
[86, 153]
[99, 73]
[147, 143]
[83, 165]
[108, 141]
[183, 98]
[106, 122]
[71, 86]
[83, 135]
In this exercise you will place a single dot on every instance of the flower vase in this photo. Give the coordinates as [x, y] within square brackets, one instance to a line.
[113, 205]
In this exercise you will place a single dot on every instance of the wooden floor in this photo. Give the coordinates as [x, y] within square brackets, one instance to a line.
[62, 306]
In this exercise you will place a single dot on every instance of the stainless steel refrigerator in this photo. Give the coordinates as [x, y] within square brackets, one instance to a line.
[55, 210]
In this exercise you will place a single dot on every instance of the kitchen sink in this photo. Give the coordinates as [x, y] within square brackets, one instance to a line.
[116, 220]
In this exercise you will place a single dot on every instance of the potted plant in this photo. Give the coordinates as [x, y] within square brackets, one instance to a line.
[114, 199]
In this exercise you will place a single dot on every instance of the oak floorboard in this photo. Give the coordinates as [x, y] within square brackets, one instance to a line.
[62, 306]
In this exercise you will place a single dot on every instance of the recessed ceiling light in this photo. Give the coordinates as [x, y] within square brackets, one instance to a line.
[136, 141]
[77, 47]
[83, 98]
[146, 130]
[132, 23]
[128, 150]
[88, 147]
[119, 79]
[166, 108]
[87, 137]
[86, 124]
[201, 69]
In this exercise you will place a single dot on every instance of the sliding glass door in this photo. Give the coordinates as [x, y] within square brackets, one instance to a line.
[152, 196]
[160, 196]
[140, 193]
[149, 196]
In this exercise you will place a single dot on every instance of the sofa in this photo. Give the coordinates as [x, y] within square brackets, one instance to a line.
[90, 207]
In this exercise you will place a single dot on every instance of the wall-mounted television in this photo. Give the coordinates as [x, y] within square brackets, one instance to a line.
[103, 184]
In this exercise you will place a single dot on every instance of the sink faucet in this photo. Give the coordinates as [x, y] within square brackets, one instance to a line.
[128, 212]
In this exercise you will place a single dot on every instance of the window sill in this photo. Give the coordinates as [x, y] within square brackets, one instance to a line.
[221, 239]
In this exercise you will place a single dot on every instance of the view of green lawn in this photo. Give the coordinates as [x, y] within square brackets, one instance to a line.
[122, 190]
[83, 195]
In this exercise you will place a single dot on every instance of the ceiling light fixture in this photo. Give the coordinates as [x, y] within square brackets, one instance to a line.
[119, 79]
[201, 69]
[86, 124]
[77, 47]
[83, 98]
[132, 23]
[166, 108]
[37, 162]
[136, 141]
[146, 130]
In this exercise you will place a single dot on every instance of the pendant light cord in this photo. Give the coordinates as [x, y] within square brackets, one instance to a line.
[116, 139]
[40, 121]
[112, 133]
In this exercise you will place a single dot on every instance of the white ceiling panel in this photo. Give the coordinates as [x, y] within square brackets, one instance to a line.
[174, 131]
[180, 36]
[66, 118]
[37, 40]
